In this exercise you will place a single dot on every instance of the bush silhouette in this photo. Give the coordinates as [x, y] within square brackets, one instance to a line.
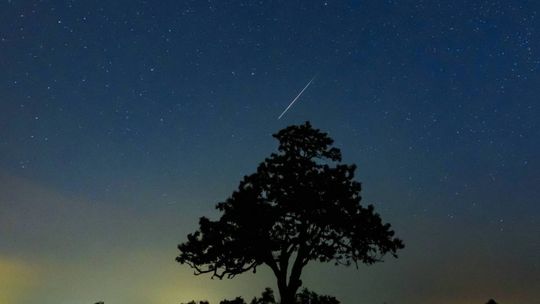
[300, 205]
[310, 297]
[237, 300]
[267, 297]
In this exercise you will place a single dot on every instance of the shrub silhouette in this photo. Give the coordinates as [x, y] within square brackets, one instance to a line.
[267, 297]
[237, 300]
[310, 297]
[300, 205]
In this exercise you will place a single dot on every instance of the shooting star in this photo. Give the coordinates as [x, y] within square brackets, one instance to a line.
[297, 96]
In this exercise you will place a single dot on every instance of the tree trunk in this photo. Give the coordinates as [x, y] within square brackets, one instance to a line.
[287, 299]
[287, 296]
[287, 293]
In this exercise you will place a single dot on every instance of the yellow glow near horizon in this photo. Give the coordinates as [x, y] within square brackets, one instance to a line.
[16, 277]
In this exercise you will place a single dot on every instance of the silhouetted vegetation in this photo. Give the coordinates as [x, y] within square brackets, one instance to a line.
[491, 301]
[300, 205]
[237, 300]
[310, 297]
[267, 297]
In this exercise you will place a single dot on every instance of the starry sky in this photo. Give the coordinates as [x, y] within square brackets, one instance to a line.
[122, 122]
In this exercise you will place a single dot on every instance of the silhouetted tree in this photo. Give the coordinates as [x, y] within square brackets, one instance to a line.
[304, 297]
[267, 297]
[237, 300]
[310, 297]
[301, 205]
[491, 301]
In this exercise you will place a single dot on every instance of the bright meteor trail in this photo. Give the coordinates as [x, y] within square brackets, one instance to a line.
[297, 96]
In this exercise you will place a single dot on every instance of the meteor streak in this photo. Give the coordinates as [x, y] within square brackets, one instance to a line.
[297, 96]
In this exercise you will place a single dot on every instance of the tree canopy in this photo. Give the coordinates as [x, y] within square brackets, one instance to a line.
[300, 205]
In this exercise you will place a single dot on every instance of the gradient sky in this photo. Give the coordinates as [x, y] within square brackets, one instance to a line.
[122, 122]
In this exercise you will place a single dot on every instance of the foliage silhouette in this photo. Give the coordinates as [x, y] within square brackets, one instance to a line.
[267, 297]
[310, 297]
[491, 301]
[300, 205]
[237, 300]
[304, 297]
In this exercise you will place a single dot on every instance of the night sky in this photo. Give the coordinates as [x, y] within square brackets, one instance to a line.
[123, 122]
